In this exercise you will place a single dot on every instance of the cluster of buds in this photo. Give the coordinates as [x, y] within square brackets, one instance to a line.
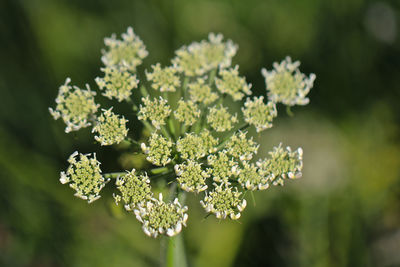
[196, 142]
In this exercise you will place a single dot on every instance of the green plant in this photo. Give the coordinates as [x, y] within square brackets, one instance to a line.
[196, 144]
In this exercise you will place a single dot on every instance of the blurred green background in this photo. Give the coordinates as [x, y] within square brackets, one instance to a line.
[345, 211]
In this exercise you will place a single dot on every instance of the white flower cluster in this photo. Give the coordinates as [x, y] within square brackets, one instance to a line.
[111, 128]
[75, 106]
[286, 84]
[224, 201]
[282, 164]
[199, 58]
[158, 217]
[134, 189]
[128, 52]
[195, 141]
[84, 176]
[117, 83]
[156, 110]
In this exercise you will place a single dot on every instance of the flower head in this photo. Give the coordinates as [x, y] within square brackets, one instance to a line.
[253, 178]
[156, 110]
[223, 167]
[240, 147]
[208, 142]
[128, 52]
[117, 83]
[158, 217]
[134, 189]
[224, 201]
[232, 84]
[84, 176]
[282, 164]
[110, 127]
[191, 177]
[220, 119]
[190, 146]
[257, 113]
[187, 112]
[75, 106]
[158, 151]
[164, 79]
[286, 84]
[200, 57]
[200, 92]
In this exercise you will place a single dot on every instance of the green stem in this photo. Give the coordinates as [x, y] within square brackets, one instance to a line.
[212, 77]
[289, 111]
[114, 175]
[159, 170]
[132, 141]
[175, 255]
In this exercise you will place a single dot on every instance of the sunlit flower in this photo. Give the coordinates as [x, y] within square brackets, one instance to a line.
[232, 84]
[134, 189]
[164, 79]
[84, 176]
[75, 106]
[117, 83]
[282, 164]
[223, 167]
[200, 57]
[128, 52]
[187, 112]
[224, 201]
[286, 84]
[160, 218]
[156, 110]
[158, 151]
[201, 92]
[110, 127]
[220, 119]
[208, 141]
[253, 178]
[256, 113]
[241, 147]
[191, 177]
[190, 146]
